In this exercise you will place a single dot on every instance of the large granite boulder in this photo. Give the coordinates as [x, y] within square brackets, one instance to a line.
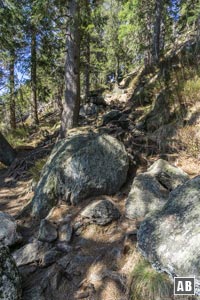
[79, 167]
[10, 285]
[170, 238]
[8, 230]
[150, 190]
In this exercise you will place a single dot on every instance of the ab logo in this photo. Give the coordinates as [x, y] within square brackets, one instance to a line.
[184, 286]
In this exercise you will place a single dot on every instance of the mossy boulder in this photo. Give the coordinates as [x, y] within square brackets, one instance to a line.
[79, 167]
[170, 238]
[150, 190]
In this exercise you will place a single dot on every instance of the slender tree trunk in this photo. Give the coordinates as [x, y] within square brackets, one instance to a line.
[34, 76]
[117, 69]
[21, 97]
[157, 30]
[87, 54]
[87, 70]
[71, 104]
[59, 97]
[7, 153]
[12, 90]
[198, 33]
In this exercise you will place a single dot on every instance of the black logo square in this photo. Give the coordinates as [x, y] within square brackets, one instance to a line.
[184, 286]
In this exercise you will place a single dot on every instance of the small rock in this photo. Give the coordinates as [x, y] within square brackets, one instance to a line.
[88, 109]
[101, 212]
[47, 231]
[116, 253]
[8, 230]
[59, 214]
[82, 295]
[29, 253]
[77, 225]
[50, 257]
[111, 115]
[64, 262]
[65, 233]
[64, 247]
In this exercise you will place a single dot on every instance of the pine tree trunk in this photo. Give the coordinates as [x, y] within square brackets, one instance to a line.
[117, 70]
[34, 76]
[12, 90]
[71, 103]
[7, 153]
[87, 54]
[59, 96]
[157, 30]
[87, 70]
[198, 33]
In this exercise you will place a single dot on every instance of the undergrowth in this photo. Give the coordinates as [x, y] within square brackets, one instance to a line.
[189, 140]
[35, 171]
[148, 284]
[18, 136]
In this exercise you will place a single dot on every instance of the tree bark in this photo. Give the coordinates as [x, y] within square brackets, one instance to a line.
[87, 53]
[87, 69]
[157, 30]
[12, 90]
[71, 103]
[7, 153]
[59, 97]
[198, 33]
[117, 71]
[34, 76]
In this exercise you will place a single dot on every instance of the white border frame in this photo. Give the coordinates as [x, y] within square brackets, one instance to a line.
[193, 277]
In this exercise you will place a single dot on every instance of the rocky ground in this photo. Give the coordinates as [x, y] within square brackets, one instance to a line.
[88, 250]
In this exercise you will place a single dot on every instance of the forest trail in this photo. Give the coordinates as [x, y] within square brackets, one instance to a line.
[103, 275]
[13, 195]
[99, 149]
[100, 259]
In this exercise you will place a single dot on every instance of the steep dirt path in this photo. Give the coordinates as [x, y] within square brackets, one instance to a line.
[13, 194]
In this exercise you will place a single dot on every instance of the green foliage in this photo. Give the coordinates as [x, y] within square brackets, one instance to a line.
[117, 34]
[148, 284]
[191, 90]
[131, 29]
[18, 137]
[35, 171]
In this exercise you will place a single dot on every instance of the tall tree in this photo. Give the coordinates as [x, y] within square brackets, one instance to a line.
[159, 5]
[10, 44]
[34, 74]
[71, 103]
[87, 19]
[12, 103]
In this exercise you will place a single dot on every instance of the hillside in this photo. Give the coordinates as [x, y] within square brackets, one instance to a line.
[99, 149]
[155, 118]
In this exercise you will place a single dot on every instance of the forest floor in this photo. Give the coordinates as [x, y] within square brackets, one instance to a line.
[110, 251]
